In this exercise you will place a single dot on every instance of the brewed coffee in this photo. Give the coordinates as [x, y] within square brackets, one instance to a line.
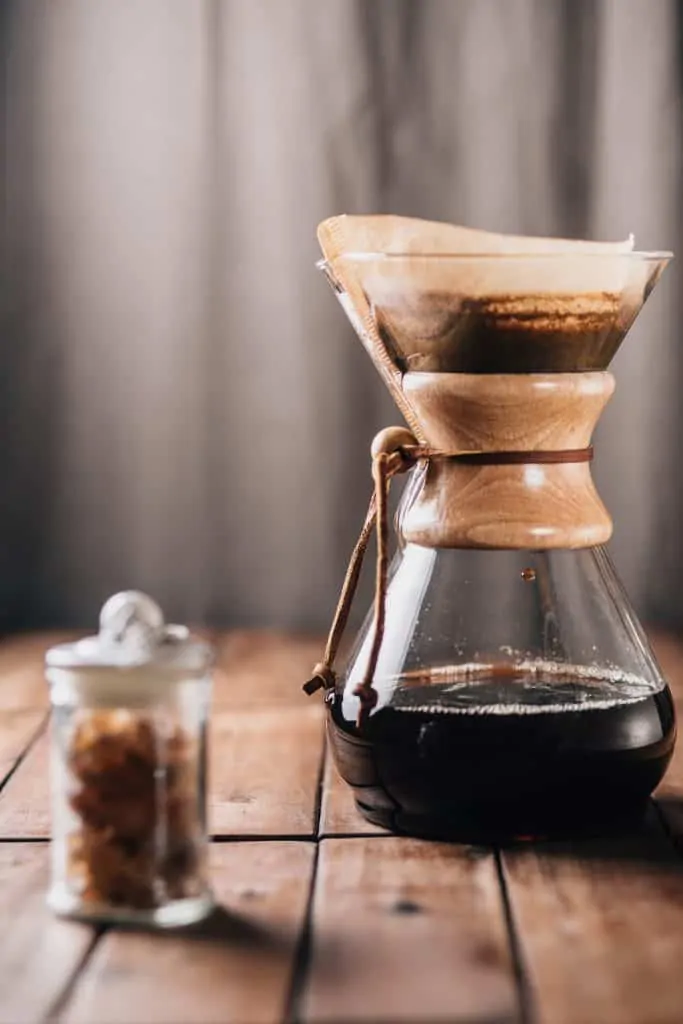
[501, 334]
[476, 760]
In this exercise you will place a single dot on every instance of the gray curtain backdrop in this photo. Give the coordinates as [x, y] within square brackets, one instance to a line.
[183, 407]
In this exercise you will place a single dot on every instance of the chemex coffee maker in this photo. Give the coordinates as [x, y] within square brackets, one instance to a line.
[502, 686]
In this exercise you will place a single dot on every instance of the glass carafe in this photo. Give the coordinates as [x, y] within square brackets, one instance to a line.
[502, 686]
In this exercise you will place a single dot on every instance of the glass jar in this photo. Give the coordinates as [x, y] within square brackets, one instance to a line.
[128, 770]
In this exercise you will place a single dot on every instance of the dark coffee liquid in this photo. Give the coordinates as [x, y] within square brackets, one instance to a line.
[478, 761]
[447, 333]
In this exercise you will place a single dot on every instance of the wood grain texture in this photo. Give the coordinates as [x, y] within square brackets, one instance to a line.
[537, 507]
[38, 953]
[405, 930]
[508, 412]
[669, 652]
[25, 801]
[669, 795]
[508, 506]
[601, 929]
[17, 730]
[264, 771]
[339, 815]
[252, 667]
[264, 768]
[22, 678]
[235, 967]
[262, 668]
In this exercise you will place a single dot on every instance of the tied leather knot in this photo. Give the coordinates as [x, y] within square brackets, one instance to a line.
[323, 676]
[395, 450]
[367, 696]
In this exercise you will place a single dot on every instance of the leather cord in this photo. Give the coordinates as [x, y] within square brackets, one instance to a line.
[394, 451]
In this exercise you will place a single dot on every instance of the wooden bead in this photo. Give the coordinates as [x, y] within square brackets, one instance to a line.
[390, 440]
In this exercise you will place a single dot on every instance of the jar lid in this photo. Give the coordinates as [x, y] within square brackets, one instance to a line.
[133, 634]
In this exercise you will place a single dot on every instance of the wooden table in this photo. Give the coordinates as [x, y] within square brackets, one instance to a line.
[325, 918]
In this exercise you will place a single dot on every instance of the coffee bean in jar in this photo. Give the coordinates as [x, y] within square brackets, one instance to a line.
[129, 770]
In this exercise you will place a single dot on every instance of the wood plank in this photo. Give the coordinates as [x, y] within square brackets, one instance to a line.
[339, 815]
[255, 668]
[669, 795]
[38, 952]
[22, 677]
[17, 730]
[252, 667]
[669, 652]
[264, 771]
[235, 967]
[405, 930]
[601, 928]
[24, 802]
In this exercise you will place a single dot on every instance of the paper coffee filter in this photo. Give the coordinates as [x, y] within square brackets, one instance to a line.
[395, 235]
[430, 297]
[356, 246]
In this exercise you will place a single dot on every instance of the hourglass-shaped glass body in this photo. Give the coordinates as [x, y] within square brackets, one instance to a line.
[516, 693]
